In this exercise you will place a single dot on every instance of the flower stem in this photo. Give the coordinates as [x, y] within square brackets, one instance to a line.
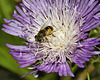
[88, 76]
[74, 68]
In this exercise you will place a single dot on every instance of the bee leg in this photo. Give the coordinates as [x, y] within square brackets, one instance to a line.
[46, 40]
[53, 35]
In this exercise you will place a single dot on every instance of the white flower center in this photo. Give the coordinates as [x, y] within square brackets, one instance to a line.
[65, 31]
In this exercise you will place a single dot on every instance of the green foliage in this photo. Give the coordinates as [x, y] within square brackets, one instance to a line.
[95, 32]
[96, 62]
[96, 78]
[97, 65]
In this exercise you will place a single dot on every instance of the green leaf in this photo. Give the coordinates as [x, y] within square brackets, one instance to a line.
[6, 9]
[50, 76]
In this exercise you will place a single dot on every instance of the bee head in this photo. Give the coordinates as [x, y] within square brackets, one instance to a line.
[38, 39]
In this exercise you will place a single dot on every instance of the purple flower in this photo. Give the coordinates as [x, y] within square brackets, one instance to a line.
[71, 22]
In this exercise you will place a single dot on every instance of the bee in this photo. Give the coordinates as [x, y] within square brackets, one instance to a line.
[41, 35]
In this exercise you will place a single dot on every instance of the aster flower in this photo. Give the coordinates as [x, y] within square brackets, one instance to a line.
[71, 21]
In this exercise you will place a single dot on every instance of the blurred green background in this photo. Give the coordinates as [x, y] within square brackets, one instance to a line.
[9, 68]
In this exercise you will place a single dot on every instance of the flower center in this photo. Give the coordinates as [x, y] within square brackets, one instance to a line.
[63, 39]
